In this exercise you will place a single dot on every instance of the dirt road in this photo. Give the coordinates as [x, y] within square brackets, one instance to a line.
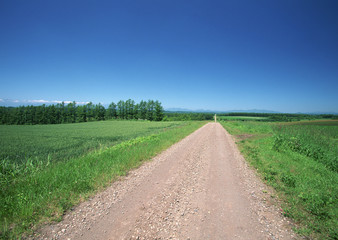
[200, 188]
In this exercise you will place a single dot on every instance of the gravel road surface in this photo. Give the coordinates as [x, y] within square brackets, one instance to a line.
[200, 188]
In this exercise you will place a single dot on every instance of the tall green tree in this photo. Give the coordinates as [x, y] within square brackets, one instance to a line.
[143, 110]
[150, 110]
[121, 109]
[82, 113]
[39, 118]
[52, 114]
[100, 112]
[58, 115]
[136, 111]
[129, 106]
[159, 112]
[90, 111]
[71, 112]
[63, 113]
[111, 111]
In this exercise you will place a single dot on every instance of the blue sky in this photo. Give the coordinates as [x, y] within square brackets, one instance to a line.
[219, 55]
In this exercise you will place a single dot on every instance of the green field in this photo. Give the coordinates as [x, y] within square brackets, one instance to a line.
[244, 118]
[18, 143]
[316, 123]
[300, 161]
[47, 169]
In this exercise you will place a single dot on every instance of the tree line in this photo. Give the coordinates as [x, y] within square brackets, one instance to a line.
[72, 113]
[188, 116]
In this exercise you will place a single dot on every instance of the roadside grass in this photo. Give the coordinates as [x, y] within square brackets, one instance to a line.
[299, 161]
[42, 194]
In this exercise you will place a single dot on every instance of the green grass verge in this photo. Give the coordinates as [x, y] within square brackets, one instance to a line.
[298, 161]
[42, 195]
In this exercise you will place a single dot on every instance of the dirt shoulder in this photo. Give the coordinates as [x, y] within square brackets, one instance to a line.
[200, 188]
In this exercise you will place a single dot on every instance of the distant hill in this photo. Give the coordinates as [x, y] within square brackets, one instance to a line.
[319, 113]
[177, 110]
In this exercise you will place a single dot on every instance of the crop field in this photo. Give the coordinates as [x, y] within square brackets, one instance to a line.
[47, 169]
[300, 161]
[316, 123]
[20, 143]
[244, 118]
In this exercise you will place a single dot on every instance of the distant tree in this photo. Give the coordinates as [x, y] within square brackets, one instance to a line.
[114, 110]
[159, 112]
[111, 111]
[63, 111]
[129, 106]
[19, 117]
[81, 113]
[39, 115]
[3, 114]
[30, 114]
[136, 111]
[121, 109]
[90, 111]
[150, 110]
[142, 110]
[52, 115]
[58, 115]
[100, 112]
[71, 112]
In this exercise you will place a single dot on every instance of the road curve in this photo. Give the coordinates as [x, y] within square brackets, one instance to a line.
[200, 188]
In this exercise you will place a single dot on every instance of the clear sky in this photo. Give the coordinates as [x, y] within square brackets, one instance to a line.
[277, 55]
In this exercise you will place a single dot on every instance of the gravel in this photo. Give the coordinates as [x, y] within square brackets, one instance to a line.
[199, 188]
